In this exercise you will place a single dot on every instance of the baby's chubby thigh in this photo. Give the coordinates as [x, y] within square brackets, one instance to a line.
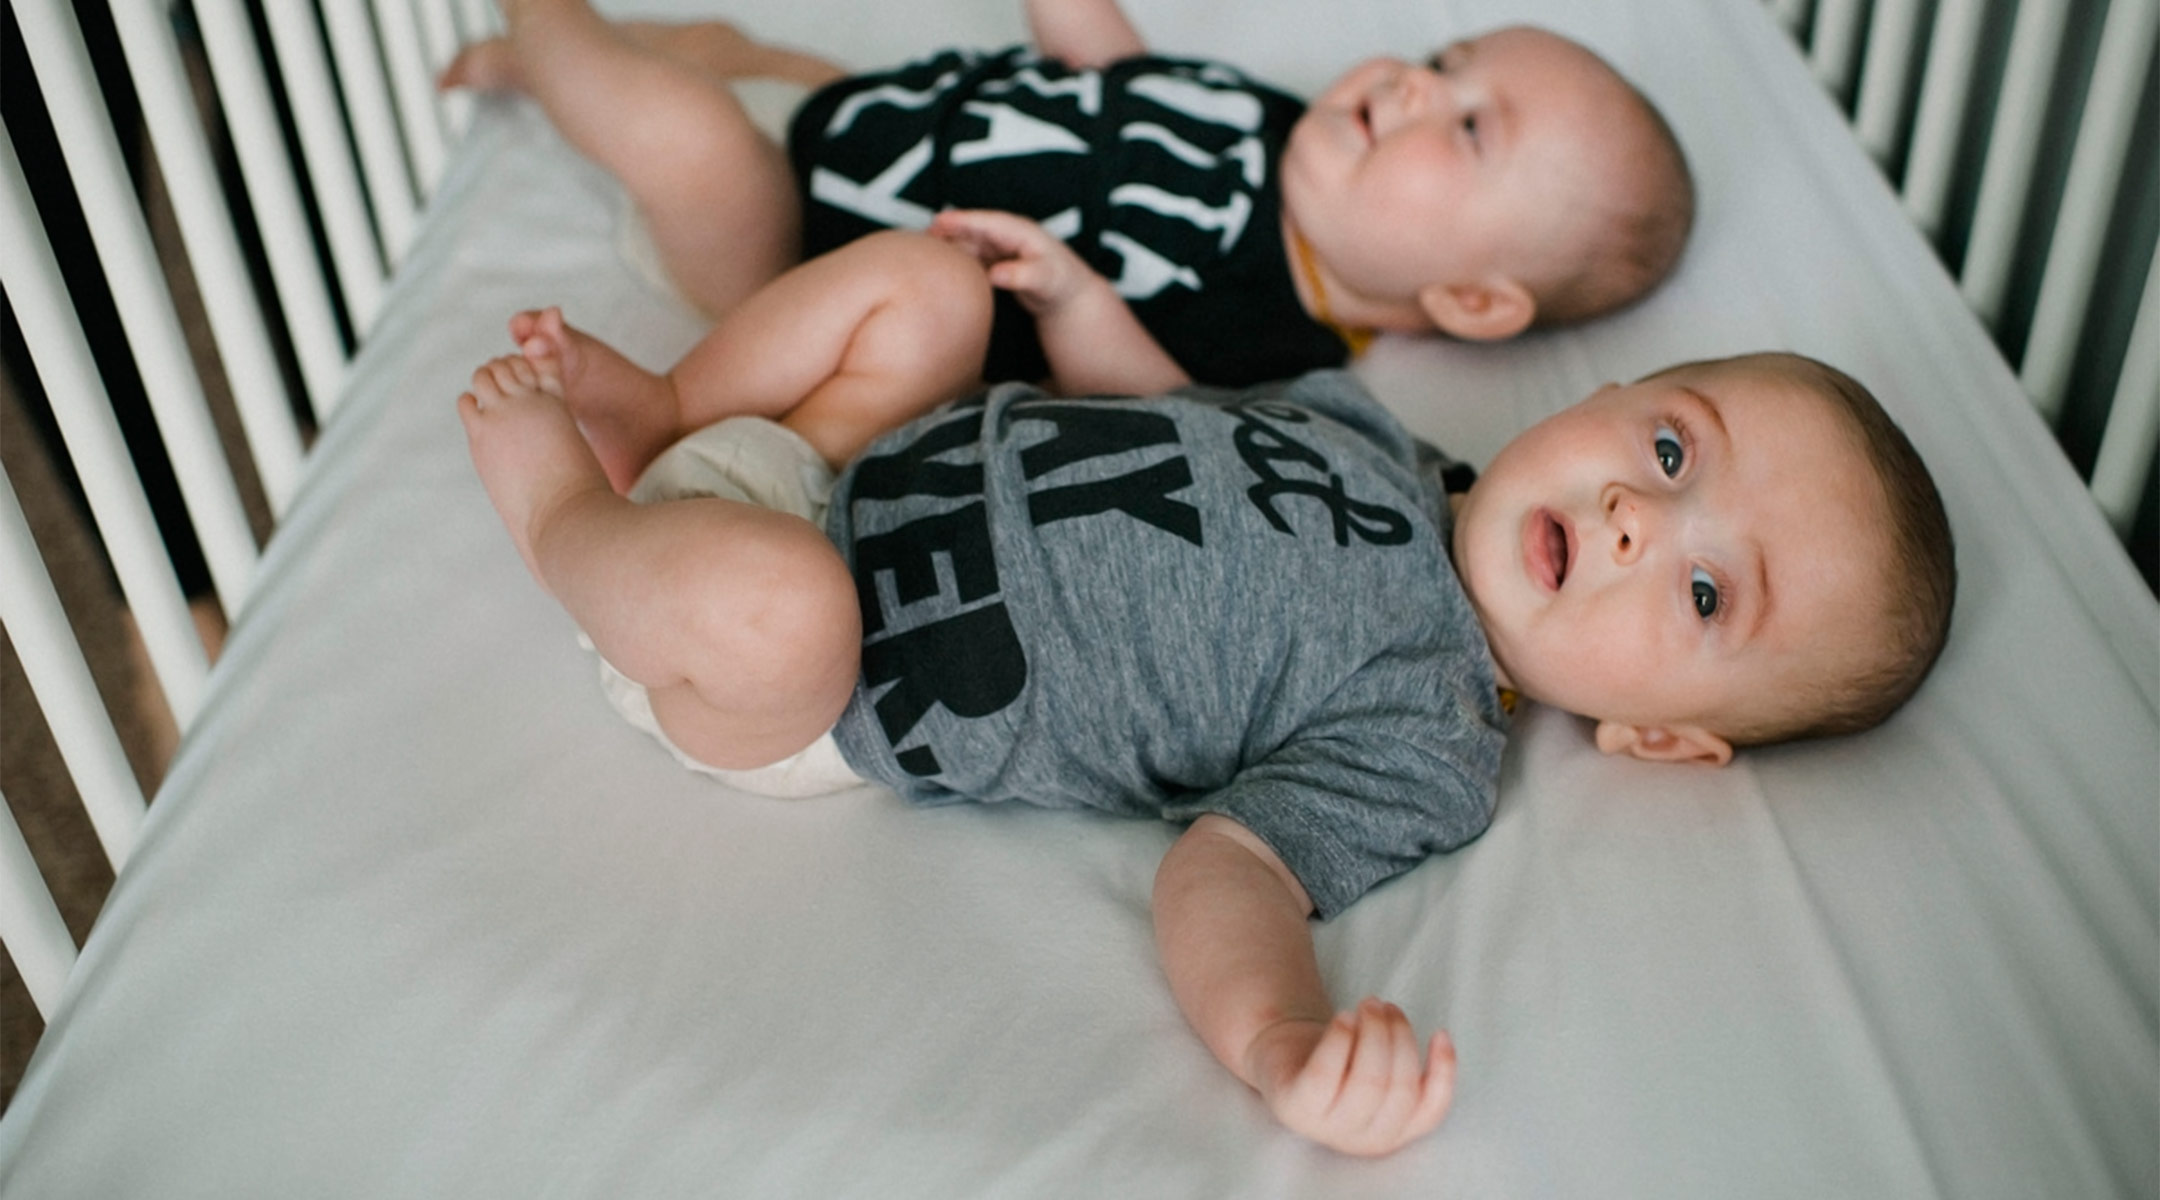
[762, 618]
[772, 641]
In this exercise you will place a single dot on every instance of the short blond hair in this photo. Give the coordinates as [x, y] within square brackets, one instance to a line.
[1633, 234]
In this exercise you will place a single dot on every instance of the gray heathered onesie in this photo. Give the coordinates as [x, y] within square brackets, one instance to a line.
[1231, 602]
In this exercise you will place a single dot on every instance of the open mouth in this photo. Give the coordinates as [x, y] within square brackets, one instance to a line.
[1549, 548]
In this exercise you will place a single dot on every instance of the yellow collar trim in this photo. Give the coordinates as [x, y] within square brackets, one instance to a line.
[1355, 337]
[1509, 698]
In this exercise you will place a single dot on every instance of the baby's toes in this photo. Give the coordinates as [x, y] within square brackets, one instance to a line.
[523, 324]
[545, 369]
[497, 380]
[485, 394]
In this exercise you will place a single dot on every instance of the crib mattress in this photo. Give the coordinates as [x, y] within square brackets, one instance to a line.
[417, 915]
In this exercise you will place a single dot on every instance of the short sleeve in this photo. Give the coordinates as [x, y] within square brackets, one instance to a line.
[1363, 796]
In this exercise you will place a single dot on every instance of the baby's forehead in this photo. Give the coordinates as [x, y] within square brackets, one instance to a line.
[1820, 511]
[1519, 45]
[1777, 418]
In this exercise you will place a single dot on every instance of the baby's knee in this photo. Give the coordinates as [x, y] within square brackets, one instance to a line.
[790, 616]
[935, 302]
[929, 273]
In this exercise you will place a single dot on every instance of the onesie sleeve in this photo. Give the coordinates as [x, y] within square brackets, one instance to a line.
[1365, 794]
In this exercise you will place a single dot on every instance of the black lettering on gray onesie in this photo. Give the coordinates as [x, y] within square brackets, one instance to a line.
[1233, 602]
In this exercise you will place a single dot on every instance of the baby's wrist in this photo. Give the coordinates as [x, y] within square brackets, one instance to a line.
[1278, 1050]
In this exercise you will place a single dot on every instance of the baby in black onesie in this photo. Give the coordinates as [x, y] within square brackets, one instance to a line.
[1231, 232]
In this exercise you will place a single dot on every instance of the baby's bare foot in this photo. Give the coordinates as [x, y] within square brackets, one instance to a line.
[486, 66]
[491, 64]
[627, 413]
[526, 447]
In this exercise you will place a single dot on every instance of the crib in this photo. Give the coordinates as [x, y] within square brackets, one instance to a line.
[413, 914]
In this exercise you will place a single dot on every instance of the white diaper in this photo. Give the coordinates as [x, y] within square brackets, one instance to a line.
[767, 464]
[771, 105]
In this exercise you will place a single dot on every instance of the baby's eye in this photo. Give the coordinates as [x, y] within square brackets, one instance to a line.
[1704, 591]
[1671, 456]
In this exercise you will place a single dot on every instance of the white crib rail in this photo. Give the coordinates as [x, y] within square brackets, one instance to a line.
[203, 211]
[273, 189]
[357, 54]
[375, 107]
[30, 925]
[57, 670]
[122, 237]
[95, 444]
[2095, 175]
[325, 145]
[1952, 93]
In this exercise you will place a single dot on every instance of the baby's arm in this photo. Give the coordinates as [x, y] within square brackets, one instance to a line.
[1230, 921]
[1083, 33]
[1094, 343]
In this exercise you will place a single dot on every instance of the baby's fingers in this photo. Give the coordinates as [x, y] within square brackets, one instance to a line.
[1028, 276]
[1323, 1073]
[991, 235]
[1382, 1094]
[1384, 1071]
[1439, 1088]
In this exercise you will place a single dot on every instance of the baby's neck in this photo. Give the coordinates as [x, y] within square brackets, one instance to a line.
[1304, 278]
[1310, 280]
[1455, 506]
[1329, 301]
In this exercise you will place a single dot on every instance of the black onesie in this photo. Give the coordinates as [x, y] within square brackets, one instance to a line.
[1160, 173]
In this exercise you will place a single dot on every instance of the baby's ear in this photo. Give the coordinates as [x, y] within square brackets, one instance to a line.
[1664, 743]
[1486, 311]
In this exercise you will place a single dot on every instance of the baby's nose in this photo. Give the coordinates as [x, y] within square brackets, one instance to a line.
[1628, 519]
[1421, 89]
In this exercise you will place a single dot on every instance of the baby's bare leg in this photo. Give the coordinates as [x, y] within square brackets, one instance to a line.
[526, 448]
[840, 349]
[847, 346]
[713, 47]
[742, 623]
[717, 196]
[627, 413]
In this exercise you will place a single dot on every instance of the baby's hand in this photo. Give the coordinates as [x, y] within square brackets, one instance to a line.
[1357, 1083]
[1019, 255]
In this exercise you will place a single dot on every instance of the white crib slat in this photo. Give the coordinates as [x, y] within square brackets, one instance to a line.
[204, 216]
[2088, 199]
[476, 19]
[250, 113]
[30, 925]
[1946, 84]
[321, 126]
[2013, 144]
[2133, 424]
[1834, 51]
[439, 34]
[53, 663]
[374, 123]
[1886, 77]
[414, 89]
[94, 443]
[139, 292]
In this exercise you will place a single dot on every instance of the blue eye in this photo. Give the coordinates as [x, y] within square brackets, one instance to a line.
[1670, 455]
[1704, 592]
